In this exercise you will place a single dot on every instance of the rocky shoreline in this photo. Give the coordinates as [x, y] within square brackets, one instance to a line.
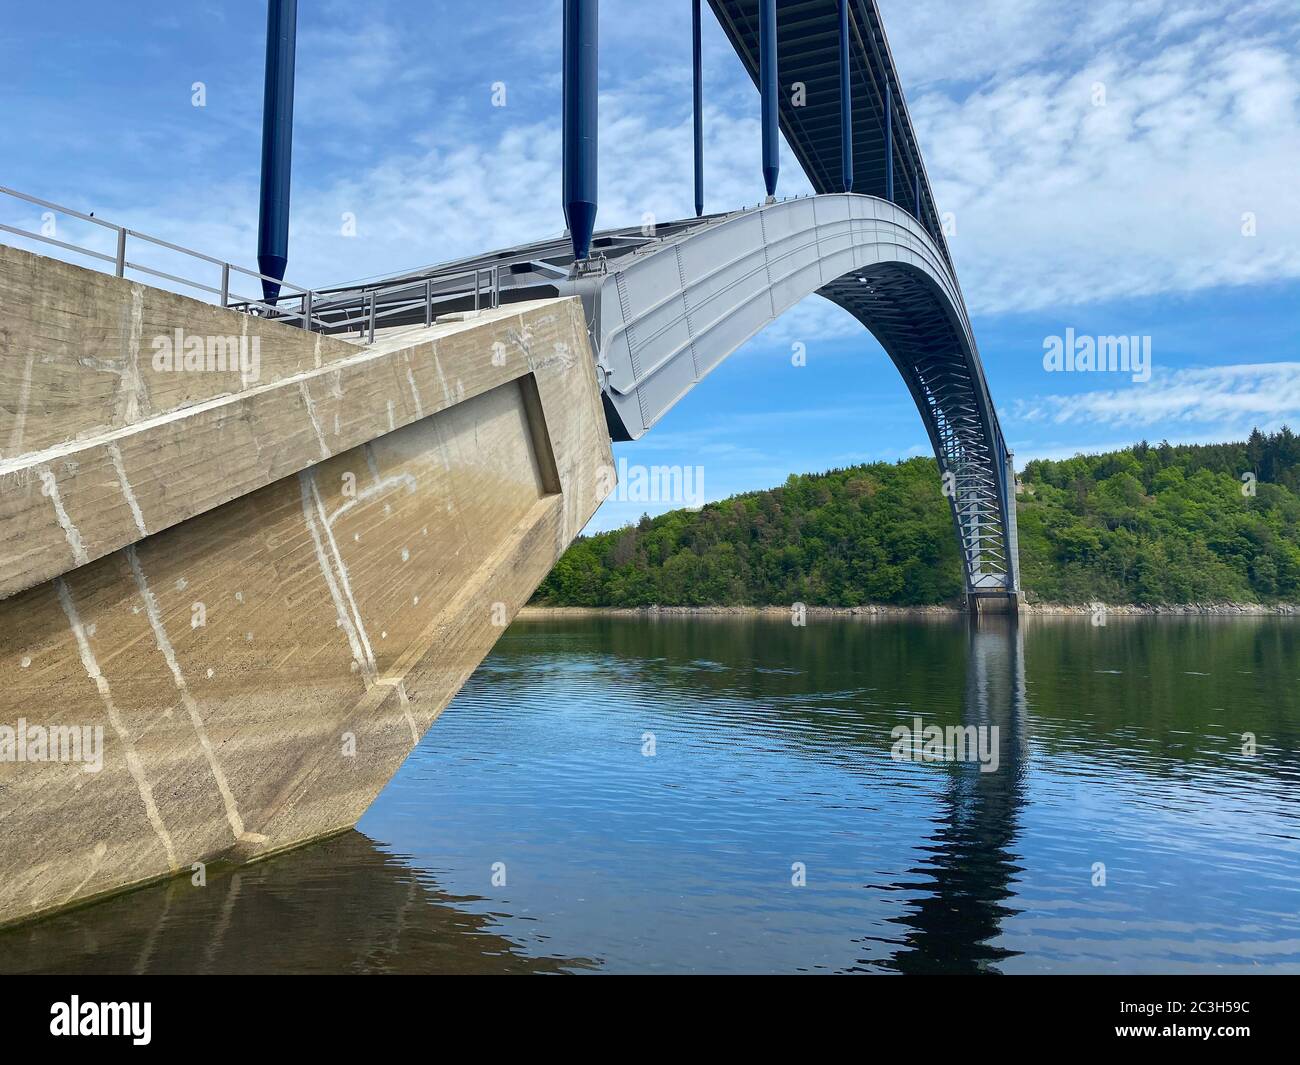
[937, 610]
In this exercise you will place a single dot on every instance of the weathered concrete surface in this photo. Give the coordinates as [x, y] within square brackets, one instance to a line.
[132, 449]
[331, 551]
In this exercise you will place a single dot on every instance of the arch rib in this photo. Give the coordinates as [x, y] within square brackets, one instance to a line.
[666, 315]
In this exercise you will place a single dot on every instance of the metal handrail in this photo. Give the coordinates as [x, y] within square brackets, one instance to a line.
[121, 263]
[312, 304]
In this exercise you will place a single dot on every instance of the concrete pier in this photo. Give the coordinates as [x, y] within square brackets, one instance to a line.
[260, 584]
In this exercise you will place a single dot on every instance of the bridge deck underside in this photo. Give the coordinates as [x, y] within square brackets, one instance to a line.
[808, 54]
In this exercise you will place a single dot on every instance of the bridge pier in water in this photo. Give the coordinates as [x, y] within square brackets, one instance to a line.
[257, 588]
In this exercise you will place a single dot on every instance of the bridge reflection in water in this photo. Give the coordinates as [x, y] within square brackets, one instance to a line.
[963, 887]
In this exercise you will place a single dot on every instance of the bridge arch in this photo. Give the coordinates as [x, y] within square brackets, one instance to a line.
[664, 316]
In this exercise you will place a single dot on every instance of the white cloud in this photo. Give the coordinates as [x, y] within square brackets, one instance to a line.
[421, 206]
[1058, 201]
[1232, 398]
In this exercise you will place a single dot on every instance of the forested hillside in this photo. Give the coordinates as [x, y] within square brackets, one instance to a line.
[1151, 524]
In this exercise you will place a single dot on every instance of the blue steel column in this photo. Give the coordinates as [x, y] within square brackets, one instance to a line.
[768, 87]
[846, 102]
[697, 65]
[889, 144]
[277, 143]
[580, 65]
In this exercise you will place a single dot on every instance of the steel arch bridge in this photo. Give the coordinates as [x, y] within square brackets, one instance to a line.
[667, 314]
[129, 496]
[664, 310]
[666, 307]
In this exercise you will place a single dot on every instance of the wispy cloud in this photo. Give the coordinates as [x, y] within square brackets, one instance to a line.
[1083, 162]
[1242, 395]
[1057, 200]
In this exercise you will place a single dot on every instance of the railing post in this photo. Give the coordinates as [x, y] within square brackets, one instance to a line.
[846, 102]
[225, 284]
[889, 144]
[697, 65]
[121, 252]
[372, 317]
[307, 302]
[277, 144]
[428, 303]
[476, 286]
[768, 88]
[581, 18]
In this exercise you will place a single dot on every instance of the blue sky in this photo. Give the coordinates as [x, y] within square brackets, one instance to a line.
[1103, 164]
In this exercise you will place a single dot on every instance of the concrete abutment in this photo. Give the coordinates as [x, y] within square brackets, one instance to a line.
[259, 592]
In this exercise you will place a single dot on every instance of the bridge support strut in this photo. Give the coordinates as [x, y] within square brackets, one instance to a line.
[846, 101]
[768, 88]
[889, 143]
[581, 50]
[277, 144]
[697, 65]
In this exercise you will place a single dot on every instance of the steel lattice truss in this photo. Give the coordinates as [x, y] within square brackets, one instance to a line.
[901, 311]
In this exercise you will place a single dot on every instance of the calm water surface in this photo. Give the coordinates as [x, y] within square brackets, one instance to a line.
[1119, 745]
